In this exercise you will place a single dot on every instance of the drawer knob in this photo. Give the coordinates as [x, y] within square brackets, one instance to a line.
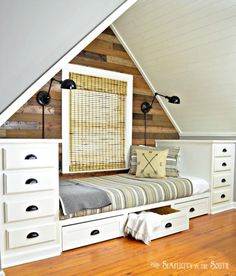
[32, 235]
[191, 210]
[224, 150]
[222, 196]
[31, 208]
[168, 225]
[224, 164]
[94, 232]
[31, 157]
[31, 181]
[223, 180]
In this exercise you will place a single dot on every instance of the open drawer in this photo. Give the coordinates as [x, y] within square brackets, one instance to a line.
[172, 221]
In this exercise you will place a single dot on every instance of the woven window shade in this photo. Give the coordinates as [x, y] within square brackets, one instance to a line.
[97, 123]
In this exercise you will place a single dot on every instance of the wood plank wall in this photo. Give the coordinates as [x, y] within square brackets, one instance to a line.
[104, 52]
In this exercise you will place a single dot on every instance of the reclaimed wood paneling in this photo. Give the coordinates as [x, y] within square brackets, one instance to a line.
[105, 52]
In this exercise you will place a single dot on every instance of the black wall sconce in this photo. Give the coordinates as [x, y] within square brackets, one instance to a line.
[146, 107]
[43, 97]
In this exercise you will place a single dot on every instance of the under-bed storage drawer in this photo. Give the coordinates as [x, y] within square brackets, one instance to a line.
[172, 221]
[30, 235]
[194, 208]
[82, 234]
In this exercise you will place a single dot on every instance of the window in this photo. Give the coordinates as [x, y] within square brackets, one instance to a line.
[100, 120]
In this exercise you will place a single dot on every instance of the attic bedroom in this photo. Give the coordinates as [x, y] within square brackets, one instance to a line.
[117, 137]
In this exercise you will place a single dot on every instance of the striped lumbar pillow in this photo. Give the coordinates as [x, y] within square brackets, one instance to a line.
[171, 161]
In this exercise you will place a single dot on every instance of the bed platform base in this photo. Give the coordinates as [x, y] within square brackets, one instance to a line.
[81, 231]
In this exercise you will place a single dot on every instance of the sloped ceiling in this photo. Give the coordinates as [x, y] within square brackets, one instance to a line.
[36, 34]
[188, 48]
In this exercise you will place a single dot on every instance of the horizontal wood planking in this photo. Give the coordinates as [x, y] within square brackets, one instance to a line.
[105, 52]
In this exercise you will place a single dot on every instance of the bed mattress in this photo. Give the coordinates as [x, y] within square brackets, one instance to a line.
[127, 191]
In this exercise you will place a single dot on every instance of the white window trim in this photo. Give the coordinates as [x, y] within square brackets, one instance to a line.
[72, 68]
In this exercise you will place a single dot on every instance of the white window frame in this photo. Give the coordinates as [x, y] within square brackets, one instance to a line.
[72, 68]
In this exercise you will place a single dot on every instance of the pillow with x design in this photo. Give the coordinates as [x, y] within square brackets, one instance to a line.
[151, 163]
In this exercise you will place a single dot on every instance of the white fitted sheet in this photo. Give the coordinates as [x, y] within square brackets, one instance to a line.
[200, 185]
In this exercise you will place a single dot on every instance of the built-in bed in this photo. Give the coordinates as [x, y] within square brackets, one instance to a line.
[128, 194]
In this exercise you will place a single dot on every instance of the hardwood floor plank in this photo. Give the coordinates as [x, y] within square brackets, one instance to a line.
[208, 248]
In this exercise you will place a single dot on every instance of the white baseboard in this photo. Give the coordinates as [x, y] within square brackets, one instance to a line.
[2, 273]
[222, 208]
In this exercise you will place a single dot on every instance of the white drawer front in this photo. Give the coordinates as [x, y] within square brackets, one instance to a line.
[222, 195]
[29, 157]
[30, 235]
[16, 211]
[223, 150]
[171, 224]
[30, 181]
[92, 232]
[194, 208]
[222, 164]
[221, 180]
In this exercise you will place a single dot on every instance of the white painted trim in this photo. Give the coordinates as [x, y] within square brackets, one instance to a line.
[145, 78]
[131, 210]
[28, 93]
[2, 273]
[196, 134]
[66, 109]
[234, 205]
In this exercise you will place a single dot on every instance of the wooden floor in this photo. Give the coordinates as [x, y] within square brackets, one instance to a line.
[208, 248]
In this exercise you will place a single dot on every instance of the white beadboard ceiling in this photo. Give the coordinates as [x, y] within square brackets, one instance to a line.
[188, 48]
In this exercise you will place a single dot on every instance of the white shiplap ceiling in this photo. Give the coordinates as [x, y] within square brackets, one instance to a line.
[188, 48]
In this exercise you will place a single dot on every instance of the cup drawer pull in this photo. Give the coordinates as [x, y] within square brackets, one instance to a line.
[94, 232]
[224, 164]
[31, 181]
[222, 196]
[31, 208]
[224, 150]
[191, 209]
[32, 235]
[168, 225]
[223, 180]
[31, 157]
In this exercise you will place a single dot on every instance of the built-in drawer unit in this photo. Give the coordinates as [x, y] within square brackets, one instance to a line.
[81, 234]
[29, 209]
[172, 221]
[30, 235]
[29, 181]
[28, 157]
[194, 208]
[222, 164]
[29, 200]
[223, 150]
[221, 180]
[221, 195]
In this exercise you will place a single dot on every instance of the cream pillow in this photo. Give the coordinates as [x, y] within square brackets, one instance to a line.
[151, 163]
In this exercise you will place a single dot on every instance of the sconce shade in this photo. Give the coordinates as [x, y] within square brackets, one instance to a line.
[68, 84]
[173, 99]
[145, 107]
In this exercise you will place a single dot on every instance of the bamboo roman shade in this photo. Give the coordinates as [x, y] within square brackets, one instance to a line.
[97, 123]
